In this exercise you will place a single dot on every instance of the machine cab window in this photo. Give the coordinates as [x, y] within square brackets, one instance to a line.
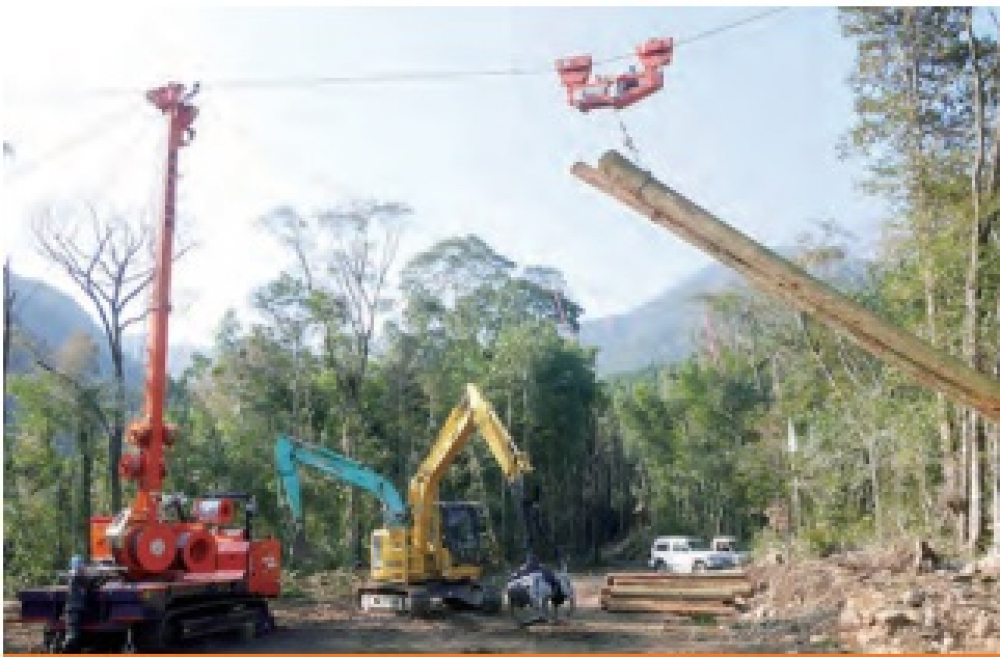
[461, 525]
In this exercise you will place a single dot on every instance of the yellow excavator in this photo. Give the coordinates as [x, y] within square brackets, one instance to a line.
[433, 553]
[438, 557]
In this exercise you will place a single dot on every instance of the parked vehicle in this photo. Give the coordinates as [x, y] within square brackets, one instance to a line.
[685, 554]
[727, 547]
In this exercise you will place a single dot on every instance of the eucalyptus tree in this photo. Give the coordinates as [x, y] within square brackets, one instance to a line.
[925, 86]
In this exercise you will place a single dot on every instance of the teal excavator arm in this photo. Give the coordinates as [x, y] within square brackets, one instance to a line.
[289, 453]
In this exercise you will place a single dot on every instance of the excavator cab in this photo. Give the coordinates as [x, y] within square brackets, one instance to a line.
[465, 533]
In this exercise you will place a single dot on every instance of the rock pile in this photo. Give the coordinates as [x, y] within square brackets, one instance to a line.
[883, 601]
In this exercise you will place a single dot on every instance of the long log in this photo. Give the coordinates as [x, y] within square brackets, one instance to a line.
[675, 594]
[662, 606]
[709, 574]
[682, 586]
[11, 611]
[775, 275]
[710, 580]
[744, 588]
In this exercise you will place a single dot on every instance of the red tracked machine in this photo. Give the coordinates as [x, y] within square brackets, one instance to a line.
[165, 568]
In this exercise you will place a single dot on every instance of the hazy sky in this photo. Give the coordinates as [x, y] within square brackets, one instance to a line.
[746, 125]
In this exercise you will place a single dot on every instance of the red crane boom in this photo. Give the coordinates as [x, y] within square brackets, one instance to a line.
[150, 433]
[161, 573]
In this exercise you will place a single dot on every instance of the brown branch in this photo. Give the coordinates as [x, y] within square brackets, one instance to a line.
[135, 319]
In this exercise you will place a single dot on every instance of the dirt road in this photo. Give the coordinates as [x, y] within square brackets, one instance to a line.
[333, 625]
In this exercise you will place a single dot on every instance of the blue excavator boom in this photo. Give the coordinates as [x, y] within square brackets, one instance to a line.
[290, 453]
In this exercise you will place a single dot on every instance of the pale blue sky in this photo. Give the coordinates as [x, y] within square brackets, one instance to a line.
[746, 125]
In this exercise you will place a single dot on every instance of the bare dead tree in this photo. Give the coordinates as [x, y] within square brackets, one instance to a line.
[365, 240]
[344, 255]
[107, 257]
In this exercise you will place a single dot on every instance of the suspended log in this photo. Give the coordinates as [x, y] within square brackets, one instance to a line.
[776, 276]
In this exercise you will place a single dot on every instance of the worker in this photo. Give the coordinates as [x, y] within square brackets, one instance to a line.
[532, 565]
[76, 601]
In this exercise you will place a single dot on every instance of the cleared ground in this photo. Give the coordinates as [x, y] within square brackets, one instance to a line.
[333, 625]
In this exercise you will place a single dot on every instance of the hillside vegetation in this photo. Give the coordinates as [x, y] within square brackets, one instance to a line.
[772, 413]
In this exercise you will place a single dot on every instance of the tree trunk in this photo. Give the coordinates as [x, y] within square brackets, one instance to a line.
[952, 469]
[86, 467]
[352, 532]
[995, 437]
[876, 493]
[508, 420]
[117, 429]
[62, 502]
[994, 486]
[972, 451]
[972, 430]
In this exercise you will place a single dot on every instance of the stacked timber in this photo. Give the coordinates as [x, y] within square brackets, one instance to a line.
[714, 594]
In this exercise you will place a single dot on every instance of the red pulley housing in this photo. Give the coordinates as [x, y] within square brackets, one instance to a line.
[656, 53]
[140, 433]
[130, 466]
[196, 551]
[574, 71]
[149, 547]
[133, 466]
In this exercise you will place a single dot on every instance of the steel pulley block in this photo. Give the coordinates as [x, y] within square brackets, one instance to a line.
[197, 551]
[130, 466]
[140, 434]
[151, 547]
[134, 466]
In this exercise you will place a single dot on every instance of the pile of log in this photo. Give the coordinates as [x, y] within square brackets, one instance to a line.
[11, 611]
[713, 594]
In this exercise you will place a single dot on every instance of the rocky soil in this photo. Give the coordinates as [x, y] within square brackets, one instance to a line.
[878, 602]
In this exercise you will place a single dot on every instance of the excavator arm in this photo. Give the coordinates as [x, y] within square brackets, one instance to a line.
[474, 412]
[289, 453]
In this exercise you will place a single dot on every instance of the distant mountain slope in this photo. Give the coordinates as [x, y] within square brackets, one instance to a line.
[52, 316]
[660, 330]
[663, 329]
[49, 316]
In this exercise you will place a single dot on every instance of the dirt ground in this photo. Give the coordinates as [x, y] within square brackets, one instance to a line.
[333, 625]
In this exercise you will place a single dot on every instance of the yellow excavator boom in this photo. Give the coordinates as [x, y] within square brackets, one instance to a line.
[474, 412]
